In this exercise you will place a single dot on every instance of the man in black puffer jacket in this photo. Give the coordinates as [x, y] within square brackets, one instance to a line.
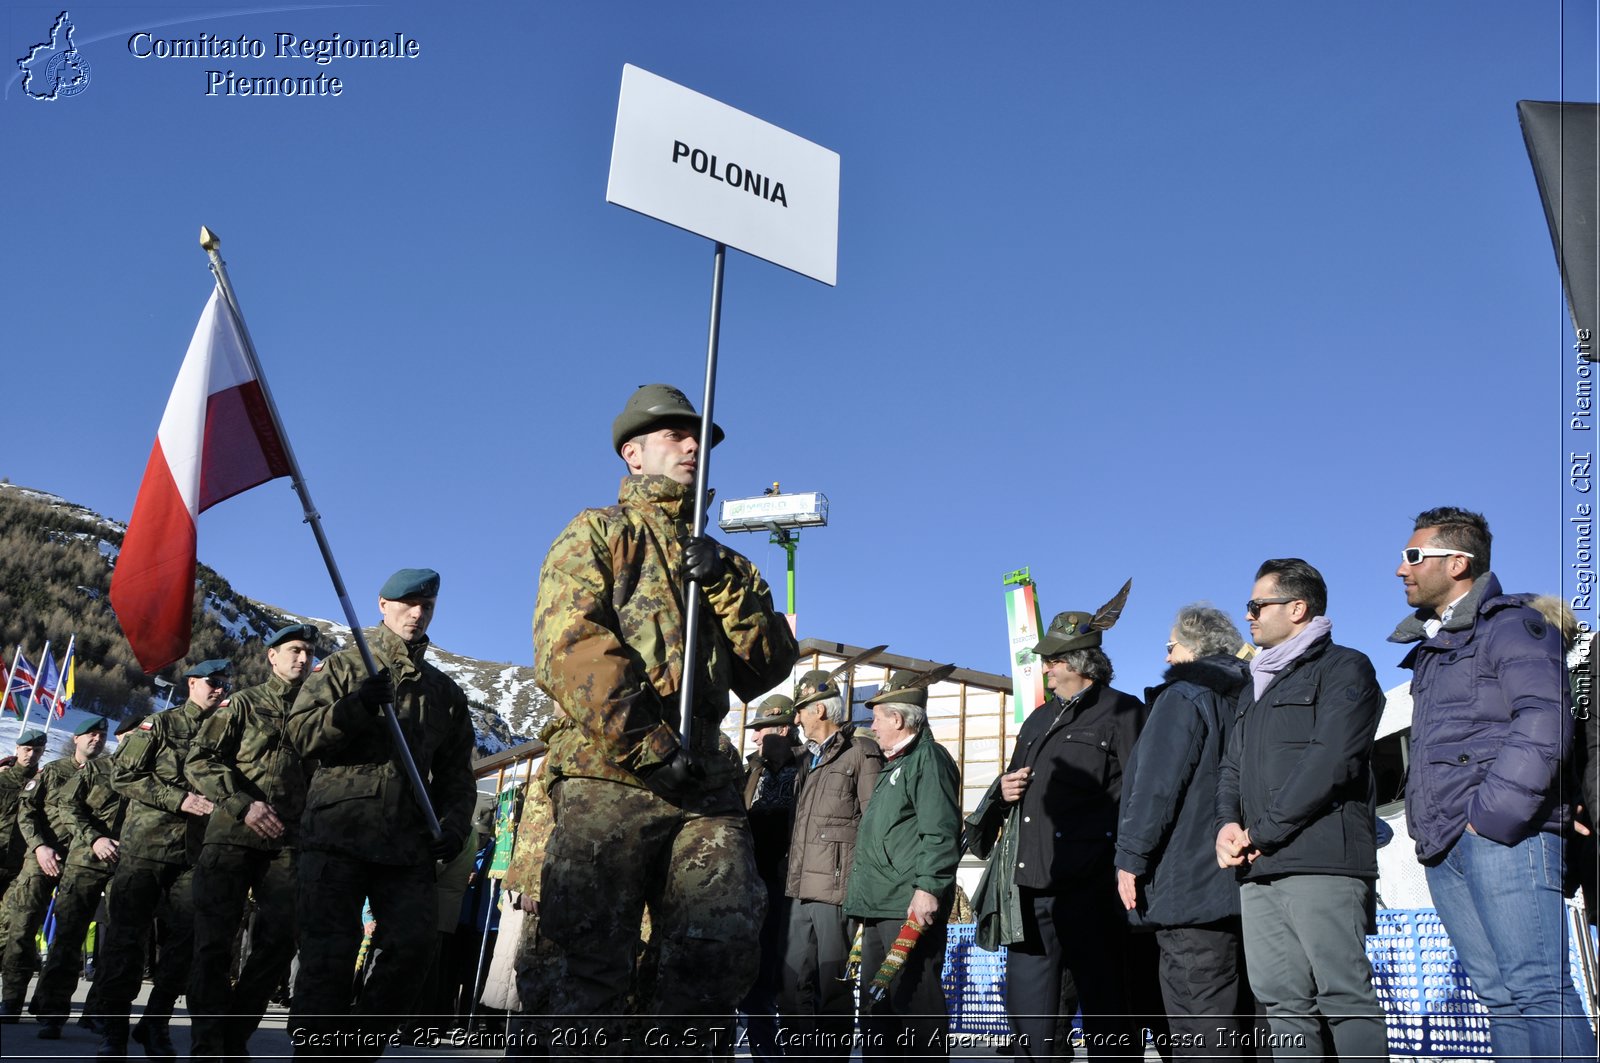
[1167, 868]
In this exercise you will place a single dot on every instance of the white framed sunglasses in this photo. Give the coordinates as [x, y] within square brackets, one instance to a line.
[1414, 555]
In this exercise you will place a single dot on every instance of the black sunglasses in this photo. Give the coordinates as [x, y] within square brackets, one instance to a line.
[1253, 607]
[217, 684]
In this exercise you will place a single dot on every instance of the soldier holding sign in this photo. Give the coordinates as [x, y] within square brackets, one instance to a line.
[640, 817]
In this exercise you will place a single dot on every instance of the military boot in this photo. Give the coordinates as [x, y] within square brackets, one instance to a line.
[153, 1034]
[50, 1029]
[10, 1011]
[114, 1041]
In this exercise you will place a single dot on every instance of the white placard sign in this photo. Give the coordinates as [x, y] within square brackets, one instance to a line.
[701, 165]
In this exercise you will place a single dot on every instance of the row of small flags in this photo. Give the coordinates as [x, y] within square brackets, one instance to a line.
[49, 686]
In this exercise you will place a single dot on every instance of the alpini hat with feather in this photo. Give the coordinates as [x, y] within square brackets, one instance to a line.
[818, 685]
[775, 710]
[1076, 630]
[653, 406]
[909, 686]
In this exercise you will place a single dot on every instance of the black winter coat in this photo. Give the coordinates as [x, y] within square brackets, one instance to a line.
[1167, 833]
[1298, 771]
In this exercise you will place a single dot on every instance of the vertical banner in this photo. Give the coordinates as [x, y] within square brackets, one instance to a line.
[1022, 628]
[505, 829]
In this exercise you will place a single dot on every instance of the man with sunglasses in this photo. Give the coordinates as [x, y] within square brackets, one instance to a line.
[1295, 800]
[1489, 732]
[155, 867]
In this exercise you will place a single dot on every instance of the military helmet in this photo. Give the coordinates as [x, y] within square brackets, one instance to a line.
[652, 406]
[1075, 630]
[775, 710]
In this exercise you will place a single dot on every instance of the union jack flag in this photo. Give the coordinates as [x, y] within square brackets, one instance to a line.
[21, 684]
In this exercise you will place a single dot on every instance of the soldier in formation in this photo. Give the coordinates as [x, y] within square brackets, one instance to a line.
[363, 834]
[155, 867]
[243, 762]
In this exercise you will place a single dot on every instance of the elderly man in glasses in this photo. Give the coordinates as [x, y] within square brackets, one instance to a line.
[155, 868]
[1295, 796]
[1489, 732]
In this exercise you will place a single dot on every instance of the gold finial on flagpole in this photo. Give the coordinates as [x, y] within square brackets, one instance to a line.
[209, 240]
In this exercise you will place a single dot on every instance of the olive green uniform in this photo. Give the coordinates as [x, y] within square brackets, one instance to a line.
[13, 851]
[364, 835]
[608, 647]
[243, 755]
[88, 806]
[155, 874]
[29, 896]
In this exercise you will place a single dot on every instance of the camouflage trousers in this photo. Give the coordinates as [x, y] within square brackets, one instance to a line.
[77, 898]
[614, 850]
[224, 1019]
[141, 892]
[26, 902]
[405, 905]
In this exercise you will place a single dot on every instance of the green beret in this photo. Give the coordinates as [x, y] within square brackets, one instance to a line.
[411, 583]
[897, 690]
[208, 669]
[302, 632]
[131, 722]
[653, 406]
[31, 737]
[93, 723]
[775, 711]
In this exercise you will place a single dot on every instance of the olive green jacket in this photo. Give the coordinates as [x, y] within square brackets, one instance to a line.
[89, 807]
[909, 838]
[359, 802]
[35, 821]
[243, 755]
[149, 773]
[13, 778]
[608, 635]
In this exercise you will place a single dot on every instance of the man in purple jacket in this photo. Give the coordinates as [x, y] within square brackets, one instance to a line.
[1489, 730]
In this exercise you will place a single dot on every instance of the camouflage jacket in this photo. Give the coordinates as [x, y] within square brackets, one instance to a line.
[149, 773]
[13, 778]
[359, 802]
[608, 635]
[36, 821]
[89, 808]
[243, 755]
[533, 831]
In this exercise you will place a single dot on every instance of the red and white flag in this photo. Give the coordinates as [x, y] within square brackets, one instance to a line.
[217, 438]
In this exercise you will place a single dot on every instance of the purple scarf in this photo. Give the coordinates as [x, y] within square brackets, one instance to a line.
[1268, 663]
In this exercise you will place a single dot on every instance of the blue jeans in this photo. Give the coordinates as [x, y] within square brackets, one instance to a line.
[1501, 906]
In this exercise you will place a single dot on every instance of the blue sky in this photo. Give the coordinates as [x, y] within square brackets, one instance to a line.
[1125, 289]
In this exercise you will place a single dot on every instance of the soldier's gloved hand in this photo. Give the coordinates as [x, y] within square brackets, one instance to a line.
[445, 847]
[677, 773]
[702, 560]
[376, 691]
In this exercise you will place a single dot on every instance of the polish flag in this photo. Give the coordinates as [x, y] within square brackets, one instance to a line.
[217, 438]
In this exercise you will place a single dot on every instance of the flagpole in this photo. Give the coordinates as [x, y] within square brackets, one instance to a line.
[33, 692]
[55, 695]
[691, 612]
[211, 244]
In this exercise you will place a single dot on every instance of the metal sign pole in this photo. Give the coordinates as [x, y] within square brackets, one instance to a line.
[691, 612]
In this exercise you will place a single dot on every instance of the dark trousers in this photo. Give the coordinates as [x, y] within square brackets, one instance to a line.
[405, 906]
[1081, 930]
[26, 902]
[914, 1019]
[816, 998]
[76, 900]
[759, 1008]
[142, 891]
[225, 875]
[1210, 1008]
